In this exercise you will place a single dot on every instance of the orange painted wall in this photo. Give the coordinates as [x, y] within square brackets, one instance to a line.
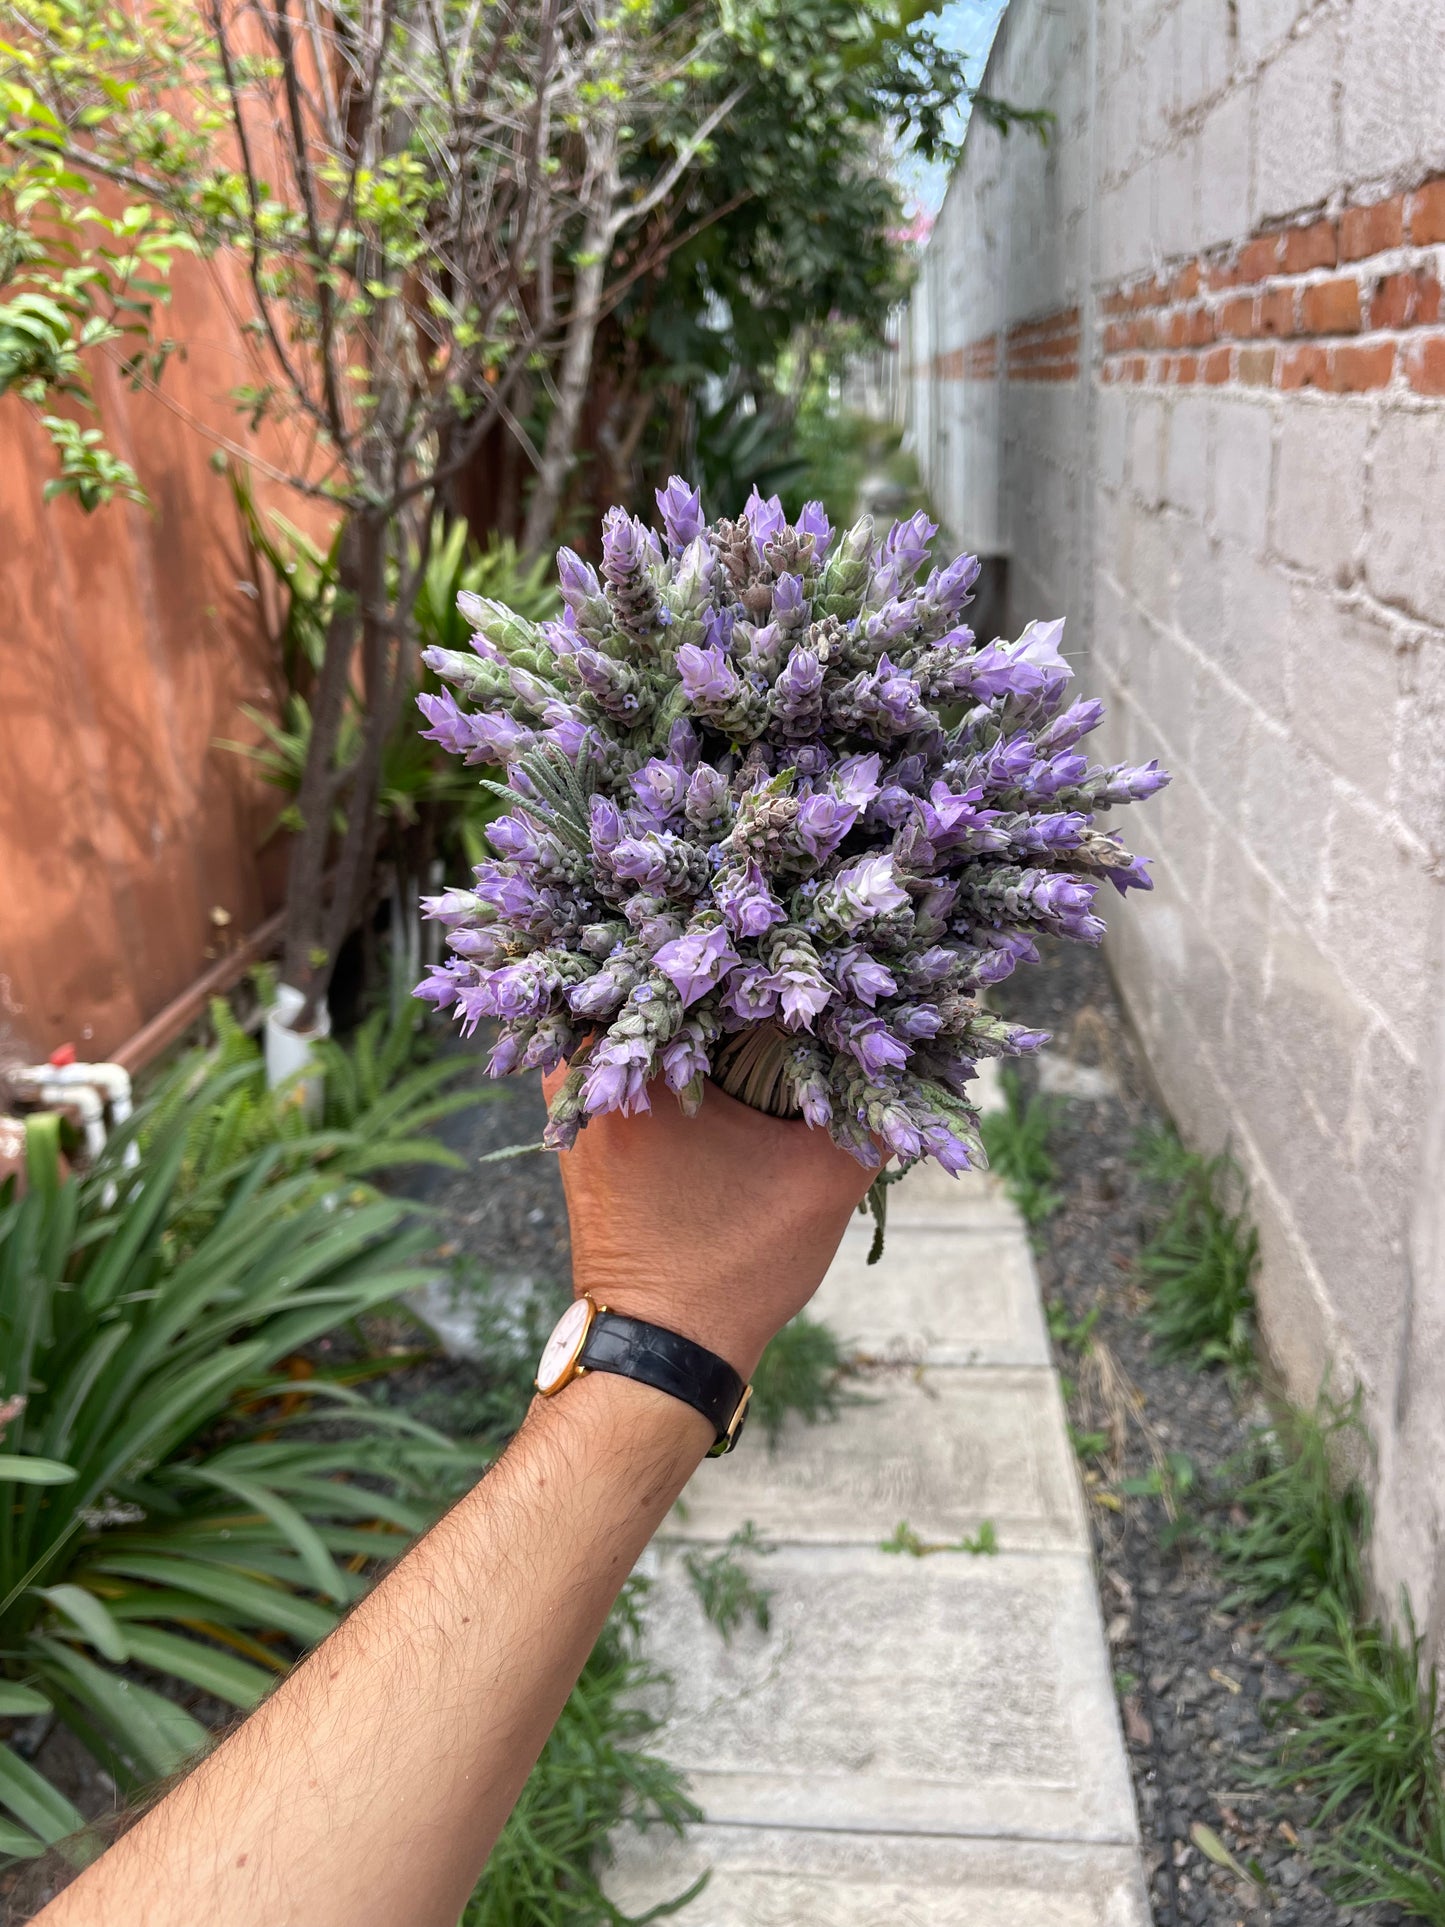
[128, 640]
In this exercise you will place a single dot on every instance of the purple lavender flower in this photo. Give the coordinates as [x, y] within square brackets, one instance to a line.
[789, 609]
[751, 994]
[708, 678]
[821, 824]
[796, 704]
[906, 544]
[1124, 784]
[660, 787]
[775, 809]
[765, 519]
[748, 905]
[694, 963]
[814, 521]
[449, 726]
[514, 836]
[861, 890]
[681, 510]
[861, 977]
[949, 590]
[870, 1040]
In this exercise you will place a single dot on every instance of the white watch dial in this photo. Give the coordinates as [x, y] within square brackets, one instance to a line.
[561, 1347]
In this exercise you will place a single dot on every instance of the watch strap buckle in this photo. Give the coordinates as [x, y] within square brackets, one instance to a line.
[735, 1425]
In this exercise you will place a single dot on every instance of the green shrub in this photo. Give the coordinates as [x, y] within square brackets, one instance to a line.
[174, 1513]
[380, 1104]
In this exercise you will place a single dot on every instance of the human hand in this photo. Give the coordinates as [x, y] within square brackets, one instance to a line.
[718, 1226]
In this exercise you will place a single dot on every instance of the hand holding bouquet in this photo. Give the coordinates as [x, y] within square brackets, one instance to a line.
[775, 819]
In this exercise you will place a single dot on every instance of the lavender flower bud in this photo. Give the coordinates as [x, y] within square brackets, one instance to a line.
[751, 994]
[631, 594]
[748, 905]
[790, 612]
[795, 707]
[681, 511]
[803, 991]
[860, 976]
[765, 519]
[813, 521]
[859, 892]
[660, 787]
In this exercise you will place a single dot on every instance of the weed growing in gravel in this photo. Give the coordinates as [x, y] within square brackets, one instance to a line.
[1071, 1334]
[1298, 1521]
[1201, 1261]
[1363, 1734]
[725, 1589]
[982, 1544]
[802, 1372]
[1017, 1141]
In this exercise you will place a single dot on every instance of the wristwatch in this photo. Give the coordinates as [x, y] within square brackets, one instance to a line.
[590, 1338]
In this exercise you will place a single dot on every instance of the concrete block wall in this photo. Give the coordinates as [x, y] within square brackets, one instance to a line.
[1234, 487]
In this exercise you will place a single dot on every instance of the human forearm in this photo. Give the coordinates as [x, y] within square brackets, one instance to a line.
[410, 1732]
[369, 1789]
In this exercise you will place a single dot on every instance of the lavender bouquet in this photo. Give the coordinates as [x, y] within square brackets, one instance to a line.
[774, 819]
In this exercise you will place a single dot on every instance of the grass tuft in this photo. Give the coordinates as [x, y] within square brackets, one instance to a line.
[801, 1371]
[1201, 1261]
[1017, 1142]
[1300, 1520]
[1363, 1733]
[725, 1589]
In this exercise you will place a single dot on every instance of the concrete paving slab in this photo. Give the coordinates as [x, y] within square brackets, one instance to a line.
[944, 1695]
[939, 1296]
[785, 1878]
[944, 1449]
[928, 1195]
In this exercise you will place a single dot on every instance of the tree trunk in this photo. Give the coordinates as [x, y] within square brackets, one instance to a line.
[305, 906]
[559, 449]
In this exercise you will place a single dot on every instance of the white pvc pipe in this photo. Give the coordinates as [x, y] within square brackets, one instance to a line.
[289, 1052]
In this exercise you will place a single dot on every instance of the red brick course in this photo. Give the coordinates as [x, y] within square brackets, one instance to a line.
[1357, 286]
[1332, 303]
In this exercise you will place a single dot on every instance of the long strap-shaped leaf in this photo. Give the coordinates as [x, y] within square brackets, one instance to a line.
[152, 1732]
[299, 1534]
[31, 1798]
[233, 1680]
[250, 1601]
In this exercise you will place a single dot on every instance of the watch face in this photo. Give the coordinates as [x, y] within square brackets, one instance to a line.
[564, 1345]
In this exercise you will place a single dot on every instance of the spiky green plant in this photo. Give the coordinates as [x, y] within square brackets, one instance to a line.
[1300, 1516]
[724, 1585]
[1017, 1141]
[172, 1514]
[1200, 1262]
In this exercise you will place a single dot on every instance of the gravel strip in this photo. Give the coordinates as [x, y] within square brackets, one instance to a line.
[1194, 1681]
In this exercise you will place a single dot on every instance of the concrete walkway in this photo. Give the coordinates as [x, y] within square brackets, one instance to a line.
[916, 1742]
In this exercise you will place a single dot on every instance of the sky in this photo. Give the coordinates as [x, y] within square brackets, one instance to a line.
[970, 25]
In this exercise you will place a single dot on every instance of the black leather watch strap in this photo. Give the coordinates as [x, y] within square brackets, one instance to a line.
[671, 1364]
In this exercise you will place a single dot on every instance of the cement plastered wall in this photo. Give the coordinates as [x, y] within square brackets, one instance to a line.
[1186, 368]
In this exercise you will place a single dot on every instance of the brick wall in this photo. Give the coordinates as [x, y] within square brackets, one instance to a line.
[1214, 437]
